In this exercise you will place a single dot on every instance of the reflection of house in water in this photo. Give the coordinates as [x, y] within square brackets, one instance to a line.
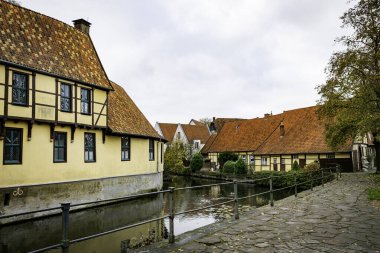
[215, 191]
[89, 222]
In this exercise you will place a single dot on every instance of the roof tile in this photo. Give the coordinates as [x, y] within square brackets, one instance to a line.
[33, 40]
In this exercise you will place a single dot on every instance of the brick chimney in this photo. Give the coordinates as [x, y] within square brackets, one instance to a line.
[82, 25]
[282, 129]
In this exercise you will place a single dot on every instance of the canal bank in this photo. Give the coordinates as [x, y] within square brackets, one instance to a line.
[43, 232]
[335, 218]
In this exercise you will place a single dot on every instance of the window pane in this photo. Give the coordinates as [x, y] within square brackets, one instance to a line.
[12, 146]
[19, 90]
[85, 100]
[89, 147]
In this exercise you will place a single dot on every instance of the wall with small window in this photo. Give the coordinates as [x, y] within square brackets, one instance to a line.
[53, 99]
[45, 160]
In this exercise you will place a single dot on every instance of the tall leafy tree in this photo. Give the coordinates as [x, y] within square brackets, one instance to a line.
[350, 98]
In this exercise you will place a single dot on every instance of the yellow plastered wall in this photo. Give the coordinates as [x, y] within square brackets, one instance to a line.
[45, 99]
[37, 159]
[16, 110]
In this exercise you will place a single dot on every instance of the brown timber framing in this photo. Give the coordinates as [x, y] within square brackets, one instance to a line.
[101, 111]
[56, 100]
[13, 65]
[92, 107]
[33, 97]
[6, 91]
[75, 104]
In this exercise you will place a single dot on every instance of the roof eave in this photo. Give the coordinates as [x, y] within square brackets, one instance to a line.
[27, 68]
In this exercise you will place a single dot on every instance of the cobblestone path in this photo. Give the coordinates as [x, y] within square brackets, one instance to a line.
[336, 218]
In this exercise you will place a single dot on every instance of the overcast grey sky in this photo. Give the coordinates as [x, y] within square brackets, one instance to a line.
[183, 59]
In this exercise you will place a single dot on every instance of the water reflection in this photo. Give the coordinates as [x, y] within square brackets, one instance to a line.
[36, 234]
[27, 236]
[201, 197]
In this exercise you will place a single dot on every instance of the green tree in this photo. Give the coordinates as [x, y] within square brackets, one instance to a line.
[229, 167]
[240, 167]
[196, 162]
[227, 156]
[295, 166]
[350, 98]
[174, 155]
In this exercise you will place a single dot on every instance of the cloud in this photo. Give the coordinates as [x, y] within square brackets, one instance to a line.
[191, 59]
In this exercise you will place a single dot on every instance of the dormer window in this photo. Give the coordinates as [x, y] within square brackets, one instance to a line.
[20, 89]
[85, 101]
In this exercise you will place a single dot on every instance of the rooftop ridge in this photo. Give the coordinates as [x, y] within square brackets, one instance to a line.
[39, 13]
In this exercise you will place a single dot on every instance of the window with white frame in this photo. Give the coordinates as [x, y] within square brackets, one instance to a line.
[264, 160]
[252, 159]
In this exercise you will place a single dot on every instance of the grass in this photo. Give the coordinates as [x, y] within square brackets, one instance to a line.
[374, 193]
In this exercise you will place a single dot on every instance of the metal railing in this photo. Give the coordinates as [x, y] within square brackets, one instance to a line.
[65, 207]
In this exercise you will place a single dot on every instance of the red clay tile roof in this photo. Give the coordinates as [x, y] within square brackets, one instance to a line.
[196, 132]
[168, 130]
[304, 133]
[39, 42]
[197, 122]
[124, 117]
[244, 135]
[208, 143]
[219, 122]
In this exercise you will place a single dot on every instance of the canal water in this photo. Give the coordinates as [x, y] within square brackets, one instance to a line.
[40, 233]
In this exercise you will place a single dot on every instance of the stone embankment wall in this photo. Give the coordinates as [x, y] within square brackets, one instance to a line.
[38, 197]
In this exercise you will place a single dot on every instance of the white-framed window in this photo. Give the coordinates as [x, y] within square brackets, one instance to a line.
[295, 156]
[244, 158]
[252, 159]
[151, 149]
[264, 160]
[282, 161]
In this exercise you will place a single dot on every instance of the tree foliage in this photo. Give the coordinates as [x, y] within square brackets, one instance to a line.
[229, 167]
[295, 166]
[240, 167]
[196, 162]
[350, 98]
[174, 155]
[227, 156]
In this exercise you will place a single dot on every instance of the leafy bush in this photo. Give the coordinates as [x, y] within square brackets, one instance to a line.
[196, 162]
[180, 169]
[227, 156]
[314, 166]
[229, 167]
[174, 154]
[295, 166]
[240, 167]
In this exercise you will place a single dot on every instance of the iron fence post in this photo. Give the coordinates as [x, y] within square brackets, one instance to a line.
[171, 214]
[271, 190]
[65, 207]
[295, 184]
[236, 204]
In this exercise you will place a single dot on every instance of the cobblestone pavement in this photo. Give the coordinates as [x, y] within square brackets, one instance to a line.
[336, 218]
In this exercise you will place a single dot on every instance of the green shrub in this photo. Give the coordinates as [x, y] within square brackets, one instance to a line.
[295, 166]
[240, 167]
[229, 167]
[227, 156]
[180, 169]
[196, 162]
[311, 167]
